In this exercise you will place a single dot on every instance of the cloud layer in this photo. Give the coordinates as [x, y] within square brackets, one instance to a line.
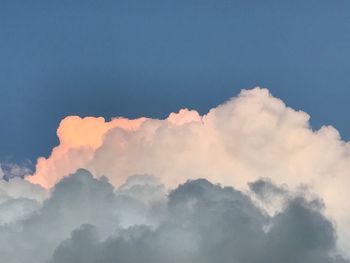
[250, 136]
[87, 220]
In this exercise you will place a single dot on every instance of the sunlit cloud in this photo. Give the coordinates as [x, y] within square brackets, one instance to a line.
[251, 136]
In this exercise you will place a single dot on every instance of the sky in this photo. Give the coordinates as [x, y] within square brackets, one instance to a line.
[149, 58]
[191, 131]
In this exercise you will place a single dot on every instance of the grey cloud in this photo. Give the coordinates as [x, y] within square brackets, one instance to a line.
[19, 199]
[77, 199]
[87, 220]
[144, 188]
[19, 188]
[266, 190]
[209, 223]
[17, 209]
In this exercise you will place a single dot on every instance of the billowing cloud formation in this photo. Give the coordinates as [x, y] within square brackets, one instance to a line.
[75, 200]
[19, 199]
[252, 135]
[87, 220]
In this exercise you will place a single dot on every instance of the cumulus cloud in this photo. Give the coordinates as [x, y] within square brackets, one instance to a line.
[149, 192]
[207, 223]
[19, 199]
[75, 200]
[250, 136]
[86, 219]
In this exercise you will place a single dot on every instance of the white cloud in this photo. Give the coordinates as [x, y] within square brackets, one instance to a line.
[250, 136]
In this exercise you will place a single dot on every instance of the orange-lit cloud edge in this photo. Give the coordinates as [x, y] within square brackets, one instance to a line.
[79, 139]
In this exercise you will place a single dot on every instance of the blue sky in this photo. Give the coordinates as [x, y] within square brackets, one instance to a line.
[148, 58]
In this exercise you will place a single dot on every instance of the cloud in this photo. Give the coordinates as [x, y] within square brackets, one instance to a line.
[19, 199]
[75, 200]
[86, 219]
[250, 136]
[208, 223]
[11, 170]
